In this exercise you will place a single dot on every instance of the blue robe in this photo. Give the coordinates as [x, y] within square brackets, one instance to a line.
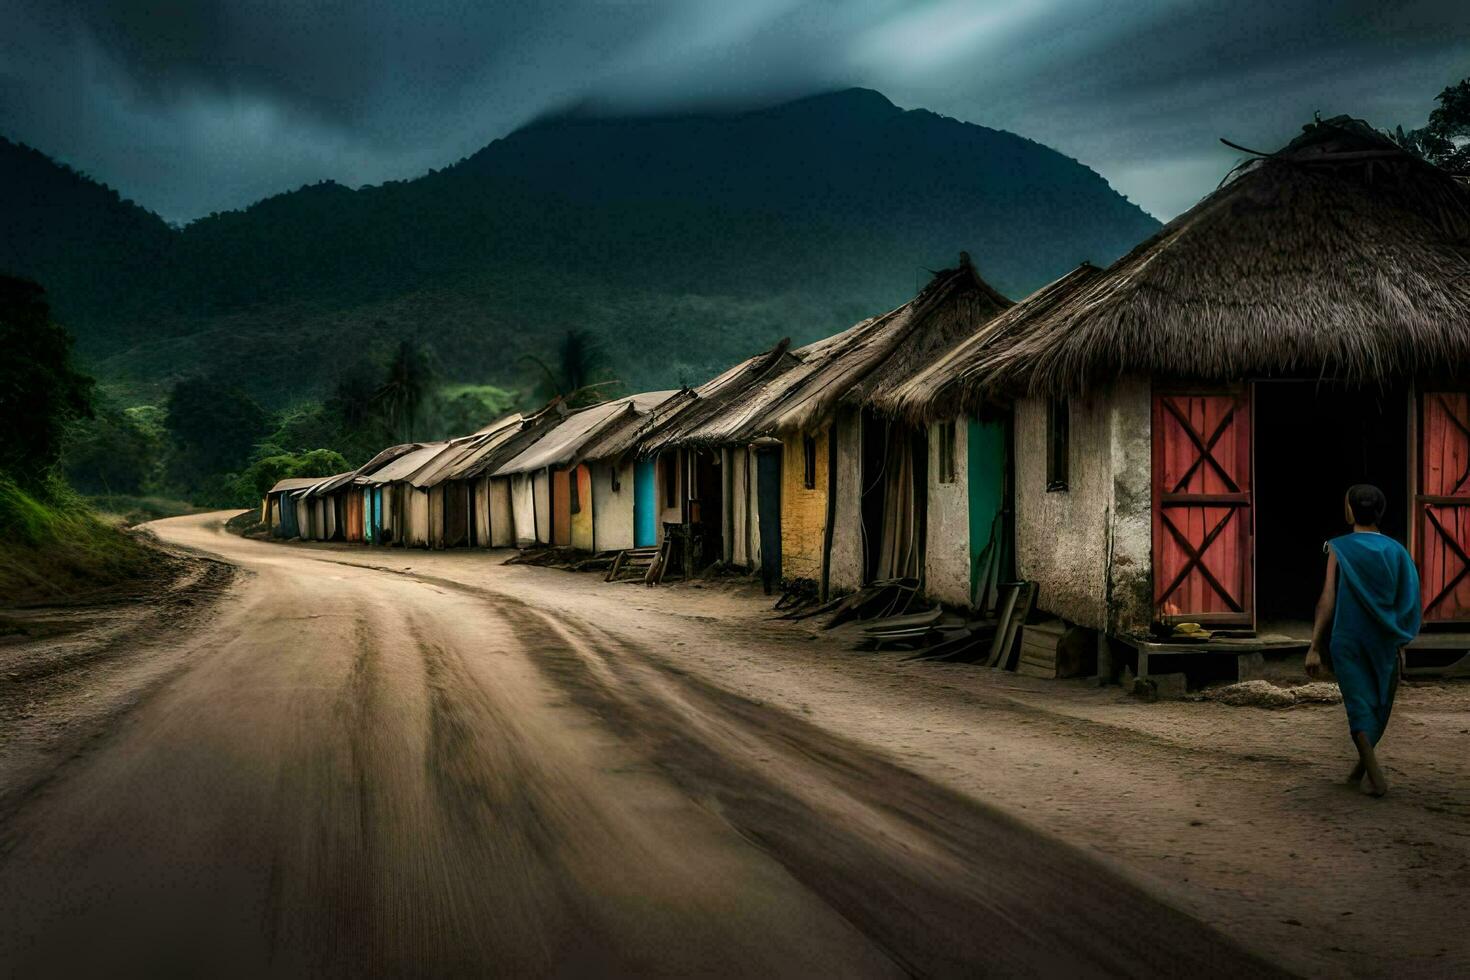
[1378, 610]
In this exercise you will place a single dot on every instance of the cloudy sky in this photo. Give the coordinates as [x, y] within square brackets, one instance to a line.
[192, 106]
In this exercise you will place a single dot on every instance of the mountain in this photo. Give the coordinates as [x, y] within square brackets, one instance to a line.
[685, 241]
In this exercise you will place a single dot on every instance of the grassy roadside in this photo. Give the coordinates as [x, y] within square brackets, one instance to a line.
[53, 546]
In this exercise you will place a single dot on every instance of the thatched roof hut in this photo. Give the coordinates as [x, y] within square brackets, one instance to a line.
[686, 422]
[946, 387]
[873, 359]
[868, 362]
[563, 444]
[1340, 256]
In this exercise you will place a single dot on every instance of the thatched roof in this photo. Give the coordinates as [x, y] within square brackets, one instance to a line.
[946, 388]
[716, 402]
[462, 452]
[617, 442]
[562, 445]
[955, 307]
[875, 357]
[506, 445]
[1340, 256]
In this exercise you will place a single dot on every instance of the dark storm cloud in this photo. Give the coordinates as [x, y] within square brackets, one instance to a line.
[196, 106]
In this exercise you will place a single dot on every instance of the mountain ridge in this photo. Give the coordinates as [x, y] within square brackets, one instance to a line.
[708, 233]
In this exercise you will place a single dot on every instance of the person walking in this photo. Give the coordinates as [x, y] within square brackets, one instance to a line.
[1369, 609]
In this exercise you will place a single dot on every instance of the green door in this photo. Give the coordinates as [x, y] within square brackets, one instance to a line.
[985, 473]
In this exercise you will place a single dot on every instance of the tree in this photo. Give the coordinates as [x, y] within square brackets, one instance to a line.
[214, 426]
[1445, 139]
[410, 381]
[112, 452]
[40, 391]
[580, 374]
[265, 473]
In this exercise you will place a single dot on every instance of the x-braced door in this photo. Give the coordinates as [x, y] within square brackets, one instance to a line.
[1202, 532]
[1442, 506]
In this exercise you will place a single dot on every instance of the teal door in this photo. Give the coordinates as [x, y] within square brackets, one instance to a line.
[985, 472]
[645, 505]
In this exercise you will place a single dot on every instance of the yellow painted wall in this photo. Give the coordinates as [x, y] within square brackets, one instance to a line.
[803, 510]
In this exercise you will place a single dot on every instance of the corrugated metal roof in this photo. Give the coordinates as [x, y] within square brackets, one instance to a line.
[297, 483]
[443, 465]
[561, 445]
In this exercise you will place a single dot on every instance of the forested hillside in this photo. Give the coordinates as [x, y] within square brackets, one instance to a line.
[683, 242]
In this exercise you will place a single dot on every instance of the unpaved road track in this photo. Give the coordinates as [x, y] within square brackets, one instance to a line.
[360, 772]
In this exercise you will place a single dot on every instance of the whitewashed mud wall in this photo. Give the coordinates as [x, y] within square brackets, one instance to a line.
[612, 510]
[1088, 547]
[947, 536]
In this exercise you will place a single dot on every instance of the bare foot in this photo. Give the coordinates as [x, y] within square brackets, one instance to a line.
[1377, 783]
[1355, 777]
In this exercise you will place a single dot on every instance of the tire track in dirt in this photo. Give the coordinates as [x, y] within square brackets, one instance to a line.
[943, 883]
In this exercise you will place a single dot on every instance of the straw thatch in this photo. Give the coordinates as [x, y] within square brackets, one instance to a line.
[1341, 257]
[874, 358]
[712, 401]
[946, 388]
[562, 445]
[955, 307]
[803, 388]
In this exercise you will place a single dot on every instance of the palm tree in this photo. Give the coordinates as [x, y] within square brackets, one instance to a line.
[410, 382]
[579, 377]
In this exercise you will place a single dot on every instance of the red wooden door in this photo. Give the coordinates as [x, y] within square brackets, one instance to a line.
[1442, 506]
[1202, 518]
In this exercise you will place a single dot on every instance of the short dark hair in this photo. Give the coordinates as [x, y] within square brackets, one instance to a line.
[1367, 503]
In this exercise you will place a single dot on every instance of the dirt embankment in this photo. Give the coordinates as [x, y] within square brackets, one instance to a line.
[68, 667]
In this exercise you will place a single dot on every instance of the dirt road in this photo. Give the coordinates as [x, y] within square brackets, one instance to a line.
[343, 769]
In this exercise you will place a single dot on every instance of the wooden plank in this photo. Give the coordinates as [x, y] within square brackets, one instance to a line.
[1003, 619]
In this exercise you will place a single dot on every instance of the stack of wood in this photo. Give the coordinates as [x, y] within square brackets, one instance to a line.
[635, 563]
[1038, 655]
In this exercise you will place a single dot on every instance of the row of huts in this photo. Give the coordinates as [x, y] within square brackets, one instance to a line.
[1164, 439]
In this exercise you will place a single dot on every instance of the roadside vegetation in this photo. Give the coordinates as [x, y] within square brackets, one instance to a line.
[51, 542]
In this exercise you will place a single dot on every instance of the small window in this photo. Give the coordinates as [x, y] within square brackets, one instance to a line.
[574, 490]
[1058, 443]
[671, 481]
[946, 437]
[809, 462]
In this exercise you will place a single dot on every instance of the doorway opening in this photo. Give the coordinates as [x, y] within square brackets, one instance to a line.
[706, 507]
[1313, 441]
[895, 495]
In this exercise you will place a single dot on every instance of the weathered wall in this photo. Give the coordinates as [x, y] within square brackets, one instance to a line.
[582, 516]
[847, 524]
[1064, 539]
[743, 545]
[523, 506]
[541, 490]
[612, 510]
[669, 513]
[480, 494]
[1130, 587]
[803, 510]
[947, 538]
[502, 514]
[435, 528]
[417, 532]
